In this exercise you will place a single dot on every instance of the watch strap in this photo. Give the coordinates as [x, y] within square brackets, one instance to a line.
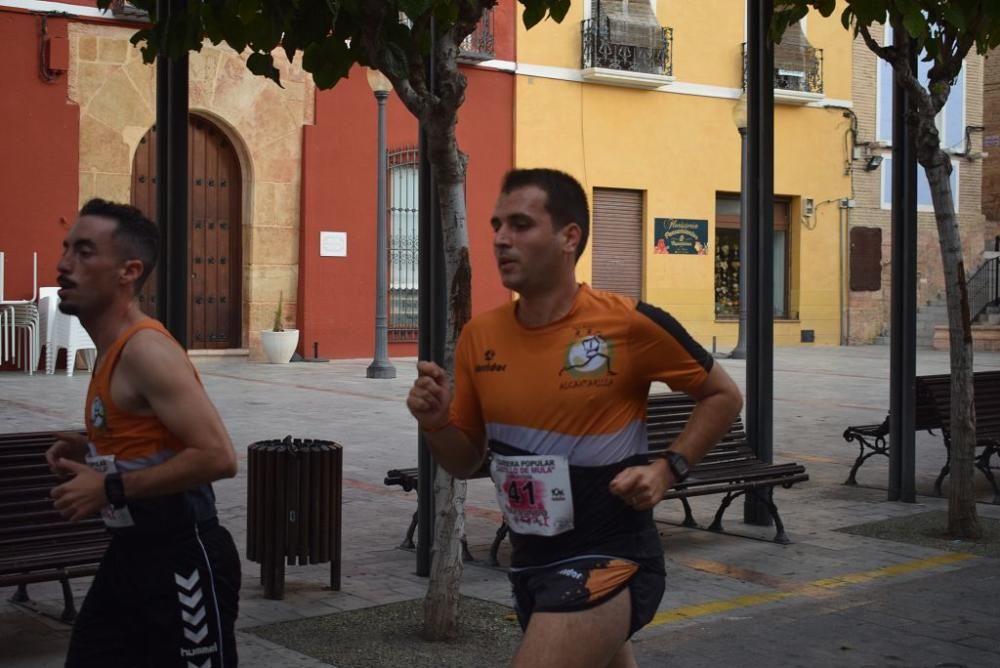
[678, 465]
[114, 489]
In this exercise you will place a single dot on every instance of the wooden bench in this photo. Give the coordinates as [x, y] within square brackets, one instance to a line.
[874, 437]
[730, 469]
[36, 543]
[936, 390]
[933, 411]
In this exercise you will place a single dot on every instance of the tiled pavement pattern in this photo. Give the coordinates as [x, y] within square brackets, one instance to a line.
[818, 392]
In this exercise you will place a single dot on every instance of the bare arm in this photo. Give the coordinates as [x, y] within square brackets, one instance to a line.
[456, 454]
[160, 374]
[158, 380]
[718, 402]
[430, 403]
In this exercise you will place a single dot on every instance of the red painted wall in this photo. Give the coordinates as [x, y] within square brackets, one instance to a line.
[337, 295]
[39, 142]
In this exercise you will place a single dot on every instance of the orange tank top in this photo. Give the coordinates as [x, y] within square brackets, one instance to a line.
[136, 441]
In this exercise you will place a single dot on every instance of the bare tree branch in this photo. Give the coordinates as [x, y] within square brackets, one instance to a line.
[414, 102]
[885, 53]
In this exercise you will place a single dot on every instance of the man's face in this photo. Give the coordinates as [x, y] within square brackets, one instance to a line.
[91, 268]
[530, 252]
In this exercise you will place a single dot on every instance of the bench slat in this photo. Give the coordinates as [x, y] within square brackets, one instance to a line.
[36, 543]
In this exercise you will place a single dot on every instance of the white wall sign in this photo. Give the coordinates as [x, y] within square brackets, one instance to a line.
[333, 244]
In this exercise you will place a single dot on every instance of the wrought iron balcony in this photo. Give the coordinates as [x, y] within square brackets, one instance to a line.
[603, 49]
[798, 72]
[479, 44]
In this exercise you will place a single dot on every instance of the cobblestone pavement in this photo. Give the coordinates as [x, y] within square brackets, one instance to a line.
[728, 599]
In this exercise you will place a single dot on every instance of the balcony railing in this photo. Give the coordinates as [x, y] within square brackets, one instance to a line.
[602, 49]
[984, 287]
[797, 69]
[479, 44]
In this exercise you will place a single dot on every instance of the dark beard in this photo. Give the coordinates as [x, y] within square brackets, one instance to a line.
[69, 309]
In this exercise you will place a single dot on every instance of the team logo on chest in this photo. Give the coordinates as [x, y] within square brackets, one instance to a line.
[98, 417]
[589, 360]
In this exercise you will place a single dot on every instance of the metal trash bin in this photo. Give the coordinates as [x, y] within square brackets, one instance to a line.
[294, 501]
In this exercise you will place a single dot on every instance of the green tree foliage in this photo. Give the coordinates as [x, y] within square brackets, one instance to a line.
[943, 33]
[332, 35]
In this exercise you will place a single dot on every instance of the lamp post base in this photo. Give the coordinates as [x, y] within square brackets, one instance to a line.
[383, 370]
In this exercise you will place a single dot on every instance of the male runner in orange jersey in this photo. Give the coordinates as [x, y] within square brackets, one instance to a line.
[554, 386]
[167, 590]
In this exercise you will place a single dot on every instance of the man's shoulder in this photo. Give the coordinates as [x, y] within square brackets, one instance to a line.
[609, 302]
[499, 316]
[149, 348]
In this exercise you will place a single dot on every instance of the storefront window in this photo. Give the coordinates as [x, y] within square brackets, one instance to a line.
[727, 258]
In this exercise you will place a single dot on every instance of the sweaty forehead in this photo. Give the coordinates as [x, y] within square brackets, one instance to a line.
[527, 200]
[96, 229]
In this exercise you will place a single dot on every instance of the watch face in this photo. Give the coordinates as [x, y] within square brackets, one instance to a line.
[678, 464]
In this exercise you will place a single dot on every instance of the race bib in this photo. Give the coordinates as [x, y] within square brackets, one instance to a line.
[534, 493]
[114, 518]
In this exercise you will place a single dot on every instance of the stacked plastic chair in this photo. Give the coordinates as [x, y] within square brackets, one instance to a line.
[64, 331]
[19, 340]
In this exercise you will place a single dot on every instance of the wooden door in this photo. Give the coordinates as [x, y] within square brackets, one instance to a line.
[214, 224]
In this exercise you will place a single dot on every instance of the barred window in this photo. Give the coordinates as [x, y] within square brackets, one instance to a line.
[404, 241]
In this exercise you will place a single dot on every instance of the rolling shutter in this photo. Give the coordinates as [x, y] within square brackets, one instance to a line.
[617, 241]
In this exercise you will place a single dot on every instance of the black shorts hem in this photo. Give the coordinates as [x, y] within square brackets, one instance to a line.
[646, 588]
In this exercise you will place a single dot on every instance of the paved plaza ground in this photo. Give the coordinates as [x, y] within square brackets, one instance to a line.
[829, 599]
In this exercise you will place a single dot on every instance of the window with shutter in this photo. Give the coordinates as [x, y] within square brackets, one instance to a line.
[866, 259]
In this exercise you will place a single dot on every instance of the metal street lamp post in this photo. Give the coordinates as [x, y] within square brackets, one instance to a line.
[740, 119]
[380, 367]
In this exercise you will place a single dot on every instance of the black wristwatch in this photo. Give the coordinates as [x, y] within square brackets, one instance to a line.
[114, 489]
[677, 464]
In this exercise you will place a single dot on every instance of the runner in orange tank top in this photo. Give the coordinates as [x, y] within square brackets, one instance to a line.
[167, 590]
[553, 388]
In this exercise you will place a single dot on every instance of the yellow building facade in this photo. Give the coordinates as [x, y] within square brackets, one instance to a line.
[636, 99]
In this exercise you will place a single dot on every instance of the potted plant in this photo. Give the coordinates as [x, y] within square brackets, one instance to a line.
[279, 343]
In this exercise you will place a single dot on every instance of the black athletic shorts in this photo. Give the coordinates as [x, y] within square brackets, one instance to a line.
[166, 601]
[579, 584]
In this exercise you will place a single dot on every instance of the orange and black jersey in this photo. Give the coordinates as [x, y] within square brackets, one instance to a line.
[576, 387]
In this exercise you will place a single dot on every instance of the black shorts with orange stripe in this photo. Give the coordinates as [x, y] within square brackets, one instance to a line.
[581, 583]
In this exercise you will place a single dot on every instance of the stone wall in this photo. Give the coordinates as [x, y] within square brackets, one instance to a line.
[116, 93]
[869, 311]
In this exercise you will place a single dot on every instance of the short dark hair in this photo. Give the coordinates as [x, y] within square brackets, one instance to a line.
[565, 200]
[137, 236]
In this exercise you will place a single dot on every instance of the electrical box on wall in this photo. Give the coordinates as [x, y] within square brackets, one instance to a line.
[808, 335]
[57, 53]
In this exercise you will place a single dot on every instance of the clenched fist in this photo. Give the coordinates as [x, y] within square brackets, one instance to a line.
[68, 445]
[642, 487]
[430, 397]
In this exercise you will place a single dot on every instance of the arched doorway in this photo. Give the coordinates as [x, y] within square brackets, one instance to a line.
[215, 203]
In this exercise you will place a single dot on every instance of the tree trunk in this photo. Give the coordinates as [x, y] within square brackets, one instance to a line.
[962, 520]
[448, 165]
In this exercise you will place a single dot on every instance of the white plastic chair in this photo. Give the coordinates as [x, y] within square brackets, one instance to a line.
[27, 348]
[6, 332]
[48, 297]
[20, 314]
[65, 331]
